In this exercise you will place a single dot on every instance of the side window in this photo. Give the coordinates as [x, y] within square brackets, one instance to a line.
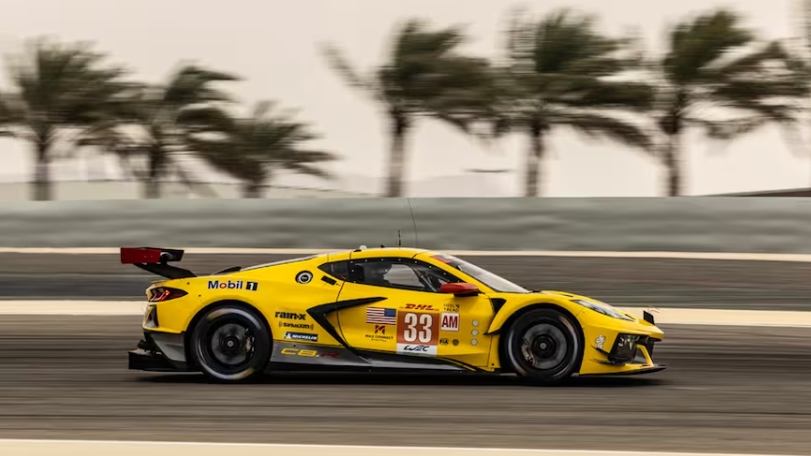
[339, 269]
[399, 273]
[403, 276]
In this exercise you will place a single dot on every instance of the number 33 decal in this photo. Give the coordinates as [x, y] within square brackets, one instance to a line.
[419, 328]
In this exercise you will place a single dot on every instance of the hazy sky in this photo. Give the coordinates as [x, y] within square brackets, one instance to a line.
[272, 44]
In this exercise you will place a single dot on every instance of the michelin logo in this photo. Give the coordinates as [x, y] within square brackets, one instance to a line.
[232, 285]
[301, 336]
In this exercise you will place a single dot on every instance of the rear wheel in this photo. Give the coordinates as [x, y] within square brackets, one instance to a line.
[543, 346]
[231, 344]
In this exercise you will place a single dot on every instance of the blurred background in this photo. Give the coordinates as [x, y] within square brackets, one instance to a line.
[413, 98]
[327, 124]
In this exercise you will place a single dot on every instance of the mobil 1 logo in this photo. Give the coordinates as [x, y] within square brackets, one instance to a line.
[232, 285]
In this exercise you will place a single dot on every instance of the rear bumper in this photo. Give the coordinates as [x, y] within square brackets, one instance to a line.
[159, 352]
[147, 361]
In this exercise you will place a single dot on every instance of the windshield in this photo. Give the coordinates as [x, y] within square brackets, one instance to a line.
[493, 281]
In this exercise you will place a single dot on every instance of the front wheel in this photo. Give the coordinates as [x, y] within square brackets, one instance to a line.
[544, 346]
[231, 344]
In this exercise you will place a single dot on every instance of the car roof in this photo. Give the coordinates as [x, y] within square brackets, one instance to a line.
[362, 252]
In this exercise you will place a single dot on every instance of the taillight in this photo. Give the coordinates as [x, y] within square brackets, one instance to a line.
[161, 294]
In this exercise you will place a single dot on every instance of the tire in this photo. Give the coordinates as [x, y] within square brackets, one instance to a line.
[553, 348]
[231, 344]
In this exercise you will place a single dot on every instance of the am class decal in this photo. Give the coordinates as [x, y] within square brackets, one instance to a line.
[304, 277]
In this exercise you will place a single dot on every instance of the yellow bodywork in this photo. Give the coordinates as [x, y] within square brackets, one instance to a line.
[283, 293]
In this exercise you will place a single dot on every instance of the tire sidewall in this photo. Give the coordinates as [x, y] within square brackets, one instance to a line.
[262, 341]
[523, 368]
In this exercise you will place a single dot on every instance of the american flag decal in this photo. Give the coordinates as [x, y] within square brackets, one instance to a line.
[381, 316]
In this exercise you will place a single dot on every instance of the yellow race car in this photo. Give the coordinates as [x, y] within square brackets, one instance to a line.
[382, 309]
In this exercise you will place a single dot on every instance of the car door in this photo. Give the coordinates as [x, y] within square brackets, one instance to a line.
[407, 314]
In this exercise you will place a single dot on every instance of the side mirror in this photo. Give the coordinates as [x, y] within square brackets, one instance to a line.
[459, 289]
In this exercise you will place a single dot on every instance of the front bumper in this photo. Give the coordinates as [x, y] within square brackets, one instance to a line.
[638, 371]
[159, 352]
[621, 348]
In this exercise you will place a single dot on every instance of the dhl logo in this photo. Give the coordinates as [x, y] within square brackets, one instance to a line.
[420, 307]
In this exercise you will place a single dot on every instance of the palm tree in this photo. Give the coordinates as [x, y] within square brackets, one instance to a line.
[714, 63]
[59, 89]
[163, 116]
[424, 76]
[560, 72]
[251, 149]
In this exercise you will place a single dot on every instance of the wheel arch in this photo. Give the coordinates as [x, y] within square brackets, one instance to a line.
[510, 320]
[215, 305]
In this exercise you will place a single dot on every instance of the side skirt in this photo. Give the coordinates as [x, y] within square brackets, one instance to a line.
[288, 356]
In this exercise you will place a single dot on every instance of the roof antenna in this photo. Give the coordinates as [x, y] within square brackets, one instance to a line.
[414, 221]
[399, 239]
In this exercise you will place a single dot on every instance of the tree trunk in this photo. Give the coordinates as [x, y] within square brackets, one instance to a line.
[399, 128]
[533, 164]
[156, 162]
[672, 162]
[252, 190]
[42, 172]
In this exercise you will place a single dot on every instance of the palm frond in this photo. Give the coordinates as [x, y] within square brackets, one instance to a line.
[566, 42]
[251, 148]
[752, 62]
[520, 40]
[194, 84]
[604, 127]
[585, 92]
[698, 43]
[729, 129]
[9, 115]
[262, 109]
[308, 170]
[340, 64]
[205, 119]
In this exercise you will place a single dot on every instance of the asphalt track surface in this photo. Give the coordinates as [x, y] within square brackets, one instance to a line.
[620, 281]
[729, 390]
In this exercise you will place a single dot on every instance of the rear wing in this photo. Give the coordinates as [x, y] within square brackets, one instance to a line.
[155, 260]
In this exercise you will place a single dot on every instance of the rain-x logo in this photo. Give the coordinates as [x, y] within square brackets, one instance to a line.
[291, 315]
[232, 285]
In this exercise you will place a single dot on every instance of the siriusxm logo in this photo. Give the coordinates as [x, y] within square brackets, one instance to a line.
[296, 325]
[232, 285]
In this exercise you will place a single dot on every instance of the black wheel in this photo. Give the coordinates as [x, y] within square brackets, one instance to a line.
[231, 344]
[544, 346]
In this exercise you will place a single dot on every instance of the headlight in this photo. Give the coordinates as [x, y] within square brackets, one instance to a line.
[604, 309]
